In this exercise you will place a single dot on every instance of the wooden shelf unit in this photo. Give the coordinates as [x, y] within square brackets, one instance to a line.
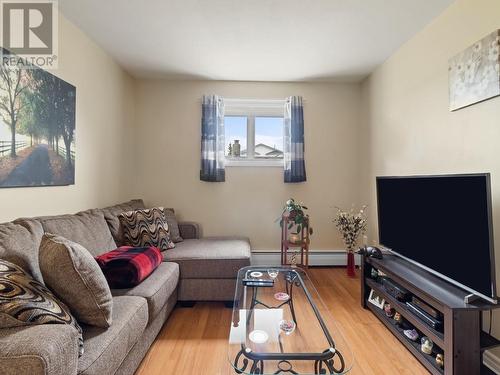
[462, 340]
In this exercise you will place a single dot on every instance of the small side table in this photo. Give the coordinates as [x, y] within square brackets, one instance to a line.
[291, 240]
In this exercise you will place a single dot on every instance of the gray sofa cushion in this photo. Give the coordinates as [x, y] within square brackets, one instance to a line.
[111, 215]
[189, 230]
[157, 288]
[75, 277]
[19, 244]
[173, 226]
[87, 228]
[39, 350]
[105, 349]
[210, 257]
[135, 356]
[206, 289]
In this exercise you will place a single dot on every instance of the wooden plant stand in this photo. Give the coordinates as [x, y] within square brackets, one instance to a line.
[302, 243]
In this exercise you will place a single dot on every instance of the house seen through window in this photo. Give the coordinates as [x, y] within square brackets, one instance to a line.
[254, 135]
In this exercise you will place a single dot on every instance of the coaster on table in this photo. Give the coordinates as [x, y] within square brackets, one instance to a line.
[258, 336]
[281, 296]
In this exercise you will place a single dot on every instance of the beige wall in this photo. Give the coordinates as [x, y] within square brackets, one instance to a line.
[168, 160]
[104, 115]
[408, 128]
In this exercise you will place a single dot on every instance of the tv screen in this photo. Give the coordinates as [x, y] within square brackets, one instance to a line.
[444, 224]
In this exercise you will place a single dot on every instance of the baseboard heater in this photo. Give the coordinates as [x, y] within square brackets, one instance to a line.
[316, 258]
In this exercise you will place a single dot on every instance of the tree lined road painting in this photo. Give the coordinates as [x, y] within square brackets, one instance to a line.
[37, 128]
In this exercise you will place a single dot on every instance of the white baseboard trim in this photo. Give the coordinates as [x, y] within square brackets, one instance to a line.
[316, 258]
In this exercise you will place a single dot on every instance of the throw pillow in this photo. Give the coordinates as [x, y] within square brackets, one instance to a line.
[111, 215]
[25, 301]
[146, 228]
[19, 244]
[71, 272]
[127, 266]
[173, 226]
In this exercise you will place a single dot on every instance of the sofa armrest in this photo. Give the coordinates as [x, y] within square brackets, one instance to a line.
[189, 230]
[47, 349]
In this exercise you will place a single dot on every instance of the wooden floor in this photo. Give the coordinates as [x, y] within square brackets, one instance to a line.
[194, 340]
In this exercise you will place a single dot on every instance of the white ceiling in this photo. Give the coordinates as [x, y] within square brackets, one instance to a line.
[255, 40]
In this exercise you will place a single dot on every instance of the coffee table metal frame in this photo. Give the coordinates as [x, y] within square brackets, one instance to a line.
[324, 362]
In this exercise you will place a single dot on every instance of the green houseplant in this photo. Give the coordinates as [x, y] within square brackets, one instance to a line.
[297, 220]
[296, 216]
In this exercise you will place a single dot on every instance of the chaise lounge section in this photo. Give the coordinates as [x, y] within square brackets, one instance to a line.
[208, 266]
[198, 269]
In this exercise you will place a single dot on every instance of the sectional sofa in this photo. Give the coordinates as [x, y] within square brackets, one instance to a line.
[198, 269]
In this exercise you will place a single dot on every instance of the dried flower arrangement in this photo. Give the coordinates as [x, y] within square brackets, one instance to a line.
[351, 225]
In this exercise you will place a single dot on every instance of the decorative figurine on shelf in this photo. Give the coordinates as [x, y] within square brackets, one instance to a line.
[398, 318]
[351, 225]
[389, 312]
[412, 334]
[440, 360]
[295, 233]
[381, 274]
[426, 345]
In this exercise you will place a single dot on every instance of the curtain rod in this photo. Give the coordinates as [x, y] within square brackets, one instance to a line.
[253, 100]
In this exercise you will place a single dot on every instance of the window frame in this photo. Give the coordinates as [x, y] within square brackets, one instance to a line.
[252, 108]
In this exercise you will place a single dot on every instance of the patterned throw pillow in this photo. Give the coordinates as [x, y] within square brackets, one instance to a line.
[24, 301]
[144, 228]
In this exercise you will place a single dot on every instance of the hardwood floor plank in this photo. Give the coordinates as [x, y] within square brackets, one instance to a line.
[194, 340]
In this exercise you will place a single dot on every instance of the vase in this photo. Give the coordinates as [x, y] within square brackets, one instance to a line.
[350, 264]
[294, 238]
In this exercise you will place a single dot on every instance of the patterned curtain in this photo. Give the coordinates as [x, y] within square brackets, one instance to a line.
[212, 139]
[295, 168]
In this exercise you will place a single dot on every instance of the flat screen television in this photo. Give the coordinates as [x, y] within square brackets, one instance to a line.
[443, 224]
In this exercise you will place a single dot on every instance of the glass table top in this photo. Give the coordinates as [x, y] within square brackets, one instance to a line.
[280, 325]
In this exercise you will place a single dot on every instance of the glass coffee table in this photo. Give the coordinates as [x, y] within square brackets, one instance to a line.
[280, 325]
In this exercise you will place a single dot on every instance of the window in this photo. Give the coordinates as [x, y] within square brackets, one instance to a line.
[268, 137]
[253, 132]
[235, 128]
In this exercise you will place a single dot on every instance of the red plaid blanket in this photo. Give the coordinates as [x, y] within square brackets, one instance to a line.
[128, 266]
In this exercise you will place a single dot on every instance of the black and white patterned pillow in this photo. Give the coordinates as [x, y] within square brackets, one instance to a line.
[24, 301]
[146, 228]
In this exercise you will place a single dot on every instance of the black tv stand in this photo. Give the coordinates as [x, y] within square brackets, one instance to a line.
[462, 340]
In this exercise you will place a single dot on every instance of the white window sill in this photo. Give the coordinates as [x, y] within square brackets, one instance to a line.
[254, 163]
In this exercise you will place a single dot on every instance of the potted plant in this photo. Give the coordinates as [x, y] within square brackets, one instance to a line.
[297, 218]
[297, 221]
[351, 224]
